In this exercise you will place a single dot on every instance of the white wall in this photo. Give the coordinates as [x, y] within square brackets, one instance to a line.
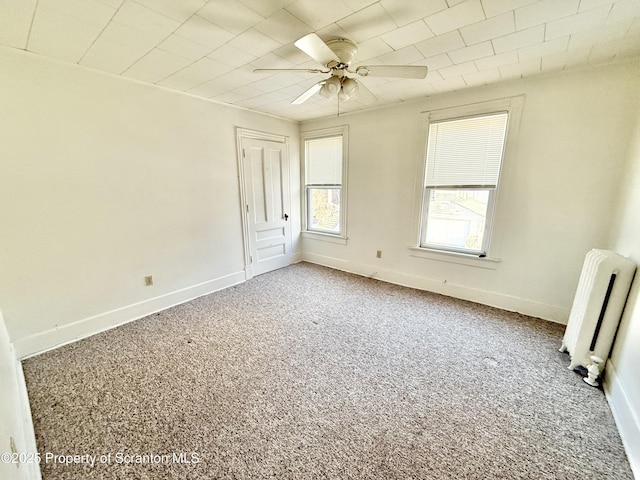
[104, 181]
[16, 427]
[555, 200]
[623, 381]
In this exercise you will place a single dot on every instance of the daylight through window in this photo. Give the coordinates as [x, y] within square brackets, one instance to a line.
[323, 183]
[462, 169]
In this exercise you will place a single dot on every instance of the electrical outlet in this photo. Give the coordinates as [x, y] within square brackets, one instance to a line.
[148, 280]
[379, 254]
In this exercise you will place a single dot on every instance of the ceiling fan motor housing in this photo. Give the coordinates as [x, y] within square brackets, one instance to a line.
[344, 49]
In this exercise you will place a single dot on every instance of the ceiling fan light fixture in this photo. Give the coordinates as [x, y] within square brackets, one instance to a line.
[331, 87]
[350, 86]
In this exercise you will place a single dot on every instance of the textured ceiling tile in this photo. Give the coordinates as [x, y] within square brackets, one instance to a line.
[436, 63]
[271, 60]
[518, 40]
[62, 37]
[254, 42]
[232, 16]
[480, 50]
[230, 55]
[156, 65]
[589, 4]
[195, 42]
[375, 47]
[525, 68]
[367, 23]
[404, 12]
[195, 74]
[621, 47]
[332, 31]
[441, 44]
[461, 15]
[565, 59]
[577, 23]
[266, 8]
[148, 21]
[497, 60]
[489, 29]
[484, 77]
[283, 27]
[292, 54]
[449, 84]
[624, 10]
[403, 56]
[319, 14]
[65, 29]
[184, 47]
[606, 33]
[216, 87]
[551, 47]
[457, 70]
[117, 48]
[496, 7]
[15, 22]
[408, 35]
[113, 3]
[177, 10]
[544, 11]
[204, 32]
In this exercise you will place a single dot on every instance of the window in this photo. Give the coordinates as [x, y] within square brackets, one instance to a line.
[463, 162]
[324, 173]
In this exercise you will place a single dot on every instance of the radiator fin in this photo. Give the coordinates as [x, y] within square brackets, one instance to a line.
[597, 306]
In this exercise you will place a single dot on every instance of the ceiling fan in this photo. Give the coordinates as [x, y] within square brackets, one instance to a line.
[336, 57]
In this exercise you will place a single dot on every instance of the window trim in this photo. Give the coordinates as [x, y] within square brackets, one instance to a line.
[513, 107]
[339, 131]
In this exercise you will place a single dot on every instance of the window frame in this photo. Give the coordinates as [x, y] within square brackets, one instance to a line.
[513, 107]
[307, 230]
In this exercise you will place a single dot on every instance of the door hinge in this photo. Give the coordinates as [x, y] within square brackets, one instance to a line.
[247, 208]
[243, 153]
[250, 259]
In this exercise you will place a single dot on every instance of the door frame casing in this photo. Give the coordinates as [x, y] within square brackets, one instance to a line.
[241, 134]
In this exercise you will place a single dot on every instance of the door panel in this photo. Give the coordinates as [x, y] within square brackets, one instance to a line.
[266, 173]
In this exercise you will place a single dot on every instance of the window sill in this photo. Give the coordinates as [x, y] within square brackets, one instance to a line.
[325, 237]
[454, 257]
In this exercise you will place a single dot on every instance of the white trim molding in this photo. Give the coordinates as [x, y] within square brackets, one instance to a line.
[625, 417]
[17, 436]
[72, 332]
[552, 313]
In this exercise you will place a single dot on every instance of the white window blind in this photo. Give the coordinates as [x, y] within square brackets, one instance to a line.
[466, 152]
[324, 161]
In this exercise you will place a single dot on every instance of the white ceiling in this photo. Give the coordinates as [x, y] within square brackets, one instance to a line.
[210, 48]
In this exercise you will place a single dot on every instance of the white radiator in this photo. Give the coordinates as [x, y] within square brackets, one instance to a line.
[597, 307]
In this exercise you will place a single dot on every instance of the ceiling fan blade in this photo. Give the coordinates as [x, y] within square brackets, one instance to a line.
[308, 93]
[398, 71]
[315, 47]
[364, 95]
[299, 70]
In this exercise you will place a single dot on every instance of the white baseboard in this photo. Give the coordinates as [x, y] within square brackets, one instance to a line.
[552, 313]
[32, 470]
[626, 418]
[56, 337]
[16, 425]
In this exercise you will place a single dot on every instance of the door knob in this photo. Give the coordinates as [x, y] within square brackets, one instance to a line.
[286, 217]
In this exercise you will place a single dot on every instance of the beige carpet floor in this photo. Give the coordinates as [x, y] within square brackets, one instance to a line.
[311, 373]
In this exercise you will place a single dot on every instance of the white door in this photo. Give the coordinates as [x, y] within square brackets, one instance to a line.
[266, 179]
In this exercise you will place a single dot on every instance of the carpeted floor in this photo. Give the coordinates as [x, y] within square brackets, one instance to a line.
[311, 373]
